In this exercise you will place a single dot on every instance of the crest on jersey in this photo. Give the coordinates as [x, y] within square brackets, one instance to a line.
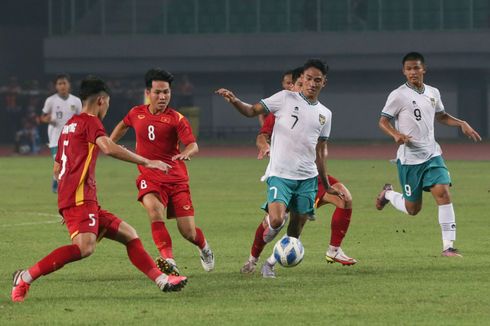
[296, 109]
[165, 119]
[433, 102]
[322, 119]
[73, 108]
[141, 116]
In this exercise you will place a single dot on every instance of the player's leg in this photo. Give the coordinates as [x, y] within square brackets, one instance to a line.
[180, 207]
[301, 205]
[113, 228]
[193, 234]
[54, 183]
[437, 179]
[340, 222]
[82, 224]
[153, 197]
[410, 201]
[278, 196]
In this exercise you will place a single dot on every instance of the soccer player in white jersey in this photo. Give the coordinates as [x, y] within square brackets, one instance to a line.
[297, 153]
[57, 110]
[413, 107]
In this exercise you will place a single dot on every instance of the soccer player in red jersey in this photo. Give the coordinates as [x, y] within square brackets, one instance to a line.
[340, 218]
[74, 167]
[159, 131]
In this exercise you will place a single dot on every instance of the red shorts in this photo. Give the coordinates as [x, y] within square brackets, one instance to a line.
[176, 197]
[89, 218]
[321, 188]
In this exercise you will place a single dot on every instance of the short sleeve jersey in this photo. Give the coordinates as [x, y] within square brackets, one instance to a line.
[158, 137]
[60, 110]
[77, 155]
[413, 112]
[299, 124]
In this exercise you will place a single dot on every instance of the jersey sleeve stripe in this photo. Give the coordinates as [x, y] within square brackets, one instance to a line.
[265, 106]
[79, 195]
[180, 116]
[387, 115]
[323, 138]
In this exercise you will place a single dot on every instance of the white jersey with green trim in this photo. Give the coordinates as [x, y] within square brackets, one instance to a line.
[414, 111]
[299, 124]
[60, 110]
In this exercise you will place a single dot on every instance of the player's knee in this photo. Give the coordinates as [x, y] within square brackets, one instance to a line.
[128, 232]
[87, 249]
[276, 221]
[413, 210]
[188, 234]
[155, 213]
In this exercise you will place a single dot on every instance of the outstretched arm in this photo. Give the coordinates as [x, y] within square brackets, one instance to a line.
[386, 126]
[110, 148]
[448, 120]
[119, 131]
[246, 109]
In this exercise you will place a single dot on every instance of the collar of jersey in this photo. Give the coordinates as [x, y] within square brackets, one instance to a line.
[307, 100]
[415, 89]
[149, 112]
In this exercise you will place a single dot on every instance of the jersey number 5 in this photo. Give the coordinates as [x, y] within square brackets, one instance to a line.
[64, 158]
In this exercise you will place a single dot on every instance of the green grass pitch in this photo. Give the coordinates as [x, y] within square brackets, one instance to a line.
[400, 278]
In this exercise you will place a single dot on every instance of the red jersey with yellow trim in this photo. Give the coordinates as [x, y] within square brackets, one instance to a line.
[158, 137]
[77, 154]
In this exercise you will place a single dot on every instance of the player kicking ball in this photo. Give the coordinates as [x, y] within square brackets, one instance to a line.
[414, 106]
[74, 168]
[298, 147]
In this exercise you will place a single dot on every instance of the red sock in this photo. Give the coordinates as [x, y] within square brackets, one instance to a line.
[55, 260]
[199, 240]
[140, 258]
[162, 239]
[259, 242]
[340, 225]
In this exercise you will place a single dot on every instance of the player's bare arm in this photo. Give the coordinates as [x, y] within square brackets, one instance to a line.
[449, 120]
[189, 151]
[263, 145]
[321, 156]
[119, 131]
[56, 170]
[386, 126]
[246, 109]
[110, 148]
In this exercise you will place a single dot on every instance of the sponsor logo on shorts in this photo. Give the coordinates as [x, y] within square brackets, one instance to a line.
[186, 207]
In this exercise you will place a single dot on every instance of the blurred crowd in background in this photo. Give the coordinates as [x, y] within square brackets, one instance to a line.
[22, 101]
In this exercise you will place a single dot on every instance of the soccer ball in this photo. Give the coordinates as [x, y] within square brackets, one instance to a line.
[289, 251]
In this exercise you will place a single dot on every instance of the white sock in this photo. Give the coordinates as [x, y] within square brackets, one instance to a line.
[206, 247]
[271, 260]
[253, 259]
[332, 249]
[447, 220]
[26, 277]
[396, 199]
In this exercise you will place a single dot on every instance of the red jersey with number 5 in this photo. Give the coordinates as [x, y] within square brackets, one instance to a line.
[77, 155]
[158, 137]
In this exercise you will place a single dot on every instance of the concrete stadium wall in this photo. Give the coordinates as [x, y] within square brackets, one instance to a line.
[365, 67]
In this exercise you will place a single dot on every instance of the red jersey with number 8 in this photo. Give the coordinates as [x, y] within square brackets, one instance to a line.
[77, 155]
[157, 138]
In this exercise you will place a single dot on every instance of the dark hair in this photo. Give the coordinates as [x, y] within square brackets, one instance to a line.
[297, 72]
[289, 72]
[415, 56]
[93, 85]
[318, 64]
[61, 76]
[157, 74]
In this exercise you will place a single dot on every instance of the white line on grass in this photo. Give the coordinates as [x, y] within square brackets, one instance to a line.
[31, 223]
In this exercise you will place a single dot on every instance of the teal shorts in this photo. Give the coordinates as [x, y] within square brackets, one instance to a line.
[421, 177]
[53, 151]
[297, 195]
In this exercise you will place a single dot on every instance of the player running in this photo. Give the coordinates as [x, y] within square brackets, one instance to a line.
[159, 131]
[298, 145]
[74, 167]
[57, 110]
[413, 106]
